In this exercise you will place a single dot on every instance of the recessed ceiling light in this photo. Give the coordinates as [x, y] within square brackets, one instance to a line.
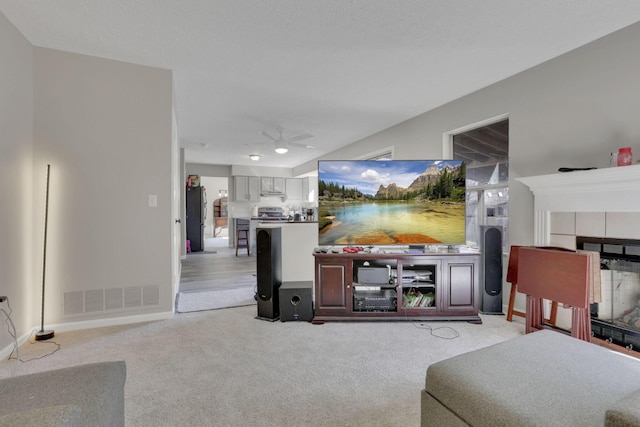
[281, 147]
[254, 157]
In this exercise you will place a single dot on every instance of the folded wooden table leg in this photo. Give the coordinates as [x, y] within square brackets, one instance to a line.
[534, 318]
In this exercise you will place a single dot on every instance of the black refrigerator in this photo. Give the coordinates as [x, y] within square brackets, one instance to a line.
[196, 214]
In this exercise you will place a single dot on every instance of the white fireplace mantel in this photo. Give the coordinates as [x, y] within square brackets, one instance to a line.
[614, 189]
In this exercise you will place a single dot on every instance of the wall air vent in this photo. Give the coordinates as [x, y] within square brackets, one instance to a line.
[101, 300]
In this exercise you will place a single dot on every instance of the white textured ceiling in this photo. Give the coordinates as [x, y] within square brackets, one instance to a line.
[339, 70]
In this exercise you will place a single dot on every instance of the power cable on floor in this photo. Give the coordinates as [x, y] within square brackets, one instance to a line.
[435, 331]
[12, 331]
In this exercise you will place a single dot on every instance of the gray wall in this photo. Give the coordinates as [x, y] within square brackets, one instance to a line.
[105, 127]
[571, 111]
[17, 275]
[207, 170]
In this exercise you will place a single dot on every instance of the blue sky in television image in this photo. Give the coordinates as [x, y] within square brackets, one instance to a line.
[367, 175]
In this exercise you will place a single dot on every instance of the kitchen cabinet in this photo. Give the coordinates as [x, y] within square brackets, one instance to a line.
[246, 188]
[294, 189]
[272, 185]
[309, 190]
[305, 190]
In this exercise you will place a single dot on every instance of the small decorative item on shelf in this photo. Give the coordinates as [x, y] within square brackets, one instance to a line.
[624, 156]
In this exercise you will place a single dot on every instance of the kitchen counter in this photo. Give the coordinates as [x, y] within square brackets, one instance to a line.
[288, 222]
[279, 221]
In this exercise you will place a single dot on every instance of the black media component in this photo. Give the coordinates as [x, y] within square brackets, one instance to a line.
[295, 301]
[491, 269]
[382, 300]
[269, 272]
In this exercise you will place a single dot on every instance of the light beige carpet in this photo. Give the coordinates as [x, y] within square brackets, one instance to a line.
[225, 368]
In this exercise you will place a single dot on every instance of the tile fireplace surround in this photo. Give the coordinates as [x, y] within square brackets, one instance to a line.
[603, 203]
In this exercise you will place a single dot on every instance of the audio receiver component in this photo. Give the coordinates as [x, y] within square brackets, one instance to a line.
[382, 300]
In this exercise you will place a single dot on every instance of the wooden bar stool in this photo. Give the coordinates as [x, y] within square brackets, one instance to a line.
[242, 239]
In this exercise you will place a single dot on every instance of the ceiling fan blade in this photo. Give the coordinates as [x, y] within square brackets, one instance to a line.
[298, 145]
[269, 136]
[299, 137]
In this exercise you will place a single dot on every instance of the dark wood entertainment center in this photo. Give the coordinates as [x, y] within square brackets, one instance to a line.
[426, 286]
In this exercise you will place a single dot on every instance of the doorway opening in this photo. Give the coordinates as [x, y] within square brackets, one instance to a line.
[216, 220]
[485, 151]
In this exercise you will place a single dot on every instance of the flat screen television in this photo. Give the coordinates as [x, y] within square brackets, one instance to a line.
[391, 202]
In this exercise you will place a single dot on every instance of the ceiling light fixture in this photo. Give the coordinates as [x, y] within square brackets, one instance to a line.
[281, 147]
[254, 157]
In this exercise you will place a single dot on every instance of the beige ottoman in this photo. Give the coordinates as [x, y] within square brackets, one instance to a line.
[544, 378]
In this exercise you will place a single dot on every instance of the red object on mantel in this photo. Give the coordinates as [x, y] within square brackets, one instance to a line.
[624, 156]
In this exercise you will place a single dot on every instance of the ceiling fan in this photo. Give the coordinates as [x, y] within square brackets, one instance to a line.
[282, 143]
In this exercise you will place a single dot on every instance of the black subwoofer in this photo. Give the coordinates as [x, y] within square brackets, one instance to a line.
[268, 271]
[491, 269]
[295, 301]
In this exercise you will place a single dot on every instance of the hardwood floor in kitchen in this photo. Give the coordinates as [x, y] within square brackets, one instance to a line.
[217, 267]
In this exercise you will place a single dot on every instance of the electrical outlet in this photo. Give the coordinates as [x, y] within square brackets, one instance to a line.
[3, 299]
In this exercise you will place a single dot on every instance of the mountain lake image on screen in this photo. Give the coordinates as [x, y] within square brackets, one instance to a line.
[391, 202]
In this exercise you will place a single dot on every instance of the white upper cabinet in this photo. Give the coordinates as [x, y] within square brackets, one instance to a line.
[246, 188]
[294, 189]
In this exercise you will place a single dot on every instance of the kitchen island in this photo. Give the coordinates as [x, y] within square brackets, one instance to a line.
[298, 240]
[257, 222]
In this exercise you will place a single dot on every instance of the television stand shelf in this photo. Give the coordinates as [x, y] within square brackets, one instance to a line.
[367, 286]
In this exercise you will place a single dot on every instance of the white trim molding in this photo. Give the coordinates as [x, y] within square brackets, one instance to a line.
[615, 189]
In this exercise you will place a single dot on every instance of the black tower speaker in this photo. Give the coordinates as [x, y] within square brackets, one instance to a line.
[269, 272]
[295, 301]
[491, 269]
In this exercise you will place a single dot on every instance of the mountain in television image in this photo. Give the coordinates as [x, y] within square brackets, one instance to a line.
[391, 202]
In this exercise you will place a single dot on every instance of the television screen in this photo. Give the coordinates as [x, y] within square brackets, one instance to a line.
[391, 202]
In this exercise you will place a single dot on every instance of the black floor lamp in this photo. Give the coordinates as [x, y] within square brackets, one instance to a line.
[42, 335]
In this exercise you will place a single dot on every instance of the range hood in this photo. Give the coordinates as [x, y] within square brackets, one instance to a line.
[283, 196]
[273, 194]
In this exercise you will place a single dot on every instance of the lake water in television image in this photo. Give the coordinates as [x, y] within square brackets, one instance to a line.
[391, 202]
[394, 223]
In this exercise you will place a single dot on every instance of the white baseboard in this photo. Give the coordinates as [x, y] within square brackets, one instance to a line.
[5, 352]
[88, 324]
[113, 321]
